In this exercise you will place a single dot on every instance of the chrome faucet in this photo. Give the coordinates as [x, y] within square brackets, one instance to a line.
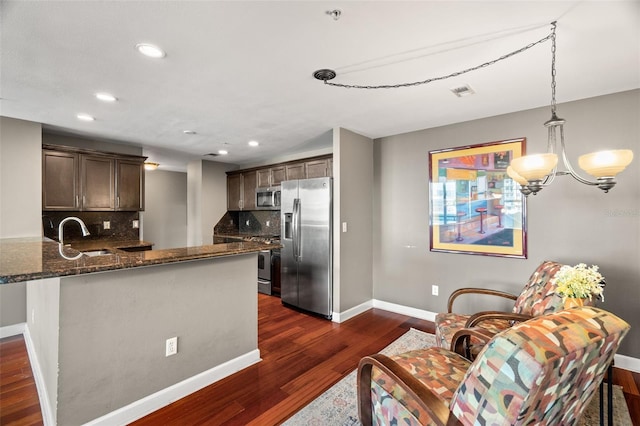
[85, 231]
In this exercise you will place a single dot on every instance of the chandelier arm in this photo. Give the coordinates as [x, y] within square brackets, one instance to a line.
[444, 77]
[568, 165]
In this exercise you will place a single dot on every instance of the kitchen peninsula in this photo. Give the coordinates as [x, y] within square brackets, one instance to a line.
[97, 325]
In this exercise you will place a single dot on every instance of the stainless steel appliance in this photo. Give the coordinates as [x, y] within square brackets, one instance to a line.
[264, 271]
[268, 198]
[306, 238]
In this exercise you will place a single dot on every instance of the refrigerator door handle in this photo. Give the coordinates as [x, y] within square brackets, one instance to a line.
[295, 219]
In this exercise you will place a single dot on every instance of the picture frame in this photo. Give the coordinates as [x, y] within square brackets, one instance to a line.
[474, 206]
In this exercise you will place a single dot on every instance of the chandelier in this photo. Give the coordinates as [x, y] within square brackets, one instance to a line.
[532, 172]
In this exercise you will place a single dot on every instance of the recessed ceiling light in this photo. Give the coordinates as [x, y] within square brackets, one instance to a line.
[189, 132]
[253, 143]
[223, 152]
[85, 117]
[150, 50]
[106, 97]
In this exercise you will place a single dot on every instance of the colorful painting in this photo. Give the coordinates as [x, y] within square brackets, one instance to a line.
[475, 207]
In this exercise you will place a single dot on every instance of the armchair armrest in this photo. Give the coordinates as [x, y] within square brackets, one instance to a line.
[434, 407]
[477, 318]
[461, 341]
[453, 296]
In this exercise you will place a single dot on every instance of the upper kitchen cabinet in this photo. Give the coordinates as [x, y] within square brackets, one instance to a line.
[97, 183]
[82, 180]
[295, 171]
[241, 190]
[317, 168]
[272, 176]
[129, 185]
[60, 185]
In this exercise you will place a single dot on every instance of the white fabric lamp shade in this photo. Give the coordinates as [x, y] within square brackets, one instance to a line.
[605, 163]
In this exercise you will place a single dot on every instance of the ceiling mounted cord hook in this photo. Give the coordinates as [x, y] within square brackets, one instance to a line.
[335, 14]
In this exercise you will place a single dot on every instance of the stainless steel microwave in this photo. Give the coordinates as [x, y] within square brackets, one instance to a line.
[268, 198]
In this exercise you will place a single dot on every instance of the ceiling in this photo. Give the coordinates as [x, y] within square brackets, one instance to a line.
[237, 71]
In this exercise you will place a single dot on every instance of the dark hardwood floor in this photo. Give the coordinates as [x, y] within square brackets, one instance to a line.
[302, 357]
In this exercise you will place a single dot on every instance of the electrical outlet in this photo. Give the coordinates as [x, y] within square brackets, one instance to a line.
[171, 346]
[434, 290]
[248, 222]
[268, 223]
[106, 224]
[136, 224]
[344, 226]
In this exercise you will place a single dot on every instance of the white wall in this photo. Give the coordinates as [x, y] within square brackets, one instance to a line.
[20, 201]
[568, 222]
[165, 215]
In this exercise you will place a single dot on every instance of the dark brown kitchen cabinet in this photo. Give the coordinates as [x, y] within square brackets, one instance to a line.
[316, 168]
[84, 180]
[295, 171]
[60, 186]
[271, 177]
[249, 185]
[97, 186]
[241, 191]
[129, 185]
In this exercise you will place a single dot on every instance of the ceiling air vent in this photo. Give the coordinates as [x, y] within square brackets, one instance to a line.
[463, 91]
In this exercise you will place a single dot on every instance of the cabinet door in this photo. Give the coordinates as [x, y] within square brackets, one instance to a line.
[129, 185]
[278, 174]
[317, 168]
[97, 183]
[234, 192]
[264, 178]
[60, 181]
[295, 171]
[249, 185]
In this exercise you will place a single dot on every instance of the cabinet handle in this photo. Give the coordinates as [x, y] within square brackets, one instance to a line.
[77, 203]
[117, 202]
[84, 200]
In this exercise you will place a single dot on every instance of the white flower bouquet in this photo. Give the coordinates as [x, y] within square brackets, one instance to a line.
[580, 282]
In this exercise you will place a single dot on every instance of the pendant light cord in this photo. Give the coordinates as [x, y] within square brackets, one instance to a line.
[551, 36]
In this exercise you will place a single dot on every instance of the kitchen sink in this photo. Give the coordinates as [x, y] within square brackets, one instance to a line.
[101, 252]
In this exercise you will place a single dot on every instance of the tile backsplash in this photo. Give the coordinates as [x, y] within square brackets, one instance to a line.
[255, 223]
[121, 225]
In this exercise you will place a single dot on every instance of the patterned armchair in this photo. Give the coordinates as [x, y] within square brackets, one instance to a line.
[541, 371]
[537, 298]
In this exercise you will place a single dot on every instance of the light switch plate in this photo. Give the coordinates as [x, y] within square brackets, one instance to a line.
[136, 224]
[106, 224]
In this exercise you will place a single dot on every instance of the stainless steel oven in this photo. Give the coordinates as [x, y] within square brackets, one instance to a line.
[264, 271]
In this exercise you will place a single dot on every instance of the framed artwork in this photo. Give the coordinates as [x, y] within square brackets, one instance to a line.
[475, 207]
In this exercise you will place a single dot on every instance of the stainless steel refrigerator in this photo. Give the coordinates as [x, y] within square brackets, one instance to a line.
[307, 251]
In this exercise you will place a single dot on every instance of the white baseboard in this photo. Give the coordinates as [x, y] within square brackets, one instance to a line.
[350, 313]
[12, 330]
[626, 362]
[404, 310]
[47, 411]
[155, 401]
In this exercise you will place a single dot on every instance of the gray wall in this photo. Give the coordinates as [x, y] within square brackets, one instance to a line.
[20, 200]
[206, 199]
[568, 222]
[353, 198]
[165, 215]
[113, 327]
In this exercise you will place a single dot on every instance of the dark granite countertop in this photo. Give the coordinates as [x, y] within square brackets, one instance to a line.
[23, 259]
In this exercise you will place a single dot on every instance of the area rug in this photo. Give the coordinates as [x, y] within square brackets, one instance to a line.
[338, 405]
